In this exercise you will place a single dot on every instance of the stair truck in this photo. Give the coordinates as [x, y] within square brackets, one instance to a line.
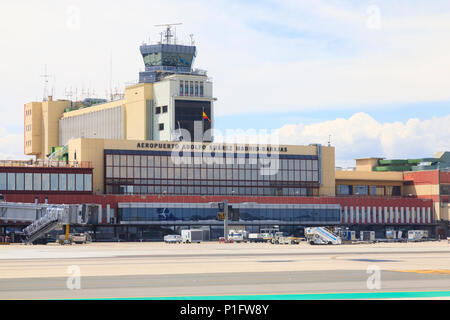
[321, 235]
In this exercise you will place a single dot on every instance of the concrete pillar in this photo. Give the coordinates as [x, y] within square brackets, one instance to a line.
[380, 215]
[402, 215]
[363, 215]
[357, 215]
[413, 215]
[429, 215]
[391, 215]
[408, 215]
[369, 220]
[352, 216]
[374, 213]
[386, 215]
[108, 213]
[100, 214]
[396, 220]
[424, 214]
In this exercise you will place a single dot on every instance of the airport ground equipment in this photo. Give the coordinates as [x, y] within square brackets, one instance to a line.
[173, 238]
[367, 236]
[321, 235]
[417, 235]
[191, 236]
[44, 218]
[255, 237]
[269, 233]
[238, 235]
[77, 238]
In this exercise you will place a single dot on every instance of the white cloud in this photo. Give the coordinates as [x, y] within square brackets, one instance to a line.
[11, 146]
[362, 136]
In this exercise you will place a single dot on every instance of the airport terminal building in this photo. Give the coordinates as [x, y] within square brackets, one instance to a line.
[139, 157]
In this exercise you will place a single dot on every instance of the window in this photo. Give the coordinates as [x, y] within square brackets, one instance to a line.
[201, 89]
[196, 88]
[181, 87]
[62, 182]
[36, 181]
[45, 181]
[161, 126]
[87, 182]
[157, 110]
[79, 182]
[2, 181]
[19, 181]
[71, 182]
[164, 109]
[54, 182]
[191, 91]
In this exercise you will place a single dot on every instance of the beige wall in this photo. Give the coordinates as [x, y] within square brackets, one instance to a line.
[51, 112]
[136, 110]
[44, 121]
[366, 164]
[33, 137]
[328, 172]
[89, 150]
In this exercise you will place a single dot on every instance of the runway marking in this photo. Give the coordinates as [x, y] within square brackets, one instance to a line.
[313, 296]
[435, 271]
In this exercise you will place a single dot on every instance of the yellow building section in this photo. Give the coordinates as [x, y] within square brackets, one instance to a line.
[92, 150]
[42, 118]
[42, 126]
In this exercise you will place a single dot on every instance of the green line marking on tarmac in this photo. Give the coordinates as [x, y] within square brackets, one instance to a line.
[315, 296]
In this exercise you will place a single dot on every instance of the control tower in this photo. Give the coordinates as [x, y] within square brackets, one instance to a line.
[166, 58]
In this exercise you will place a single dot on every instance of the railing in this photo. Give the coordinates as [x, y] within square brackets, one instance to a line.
[45, 164]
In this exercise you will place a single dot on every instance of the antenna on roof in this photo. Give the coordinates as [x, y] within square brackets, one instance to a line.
[329, 140]
[46, 76]
[168, 33]
[192, 39]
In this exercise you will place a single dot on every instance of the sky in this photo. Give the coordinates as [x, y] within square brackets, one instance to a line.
[371, 77]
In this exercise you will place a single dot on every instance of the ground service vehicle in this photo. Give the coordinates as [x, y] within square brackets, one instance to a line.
[78, 238]
[193, 235]
[256, 237]
[237, 235]
[173, 238]
[417, 235]
[321, 235]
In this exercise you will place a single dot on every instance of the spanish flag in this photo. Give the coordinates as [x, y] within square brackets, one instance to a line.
[205, 116]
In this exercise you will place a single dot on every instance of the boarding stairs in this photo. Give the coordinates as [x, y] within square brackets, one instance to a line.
[52, 219]
[321, 235]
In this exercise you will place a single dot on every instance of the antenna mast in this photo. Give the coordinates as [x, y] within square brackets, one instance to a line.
[46, 76]
[168, 33]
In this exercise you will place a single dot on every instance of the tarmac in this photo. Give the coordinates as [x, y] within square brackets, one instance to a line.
[214, 270]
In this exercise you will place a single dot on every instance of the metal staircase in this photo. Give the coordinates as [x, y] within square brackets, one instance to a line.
[53, 218]
[321, 235]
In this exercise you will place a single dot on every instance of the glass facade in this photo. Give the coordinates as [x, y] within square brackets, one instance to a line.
[19, 181]
[153, 172]
[295, 214]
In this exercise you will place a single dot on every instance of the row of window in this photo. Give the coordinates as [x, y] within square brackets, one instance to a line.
[199, 214]
[210, 174]
[28, 112]
[191, 88]
[28, 127]
[211, 190]
[365, 190]
[13, 181]
[207, 162]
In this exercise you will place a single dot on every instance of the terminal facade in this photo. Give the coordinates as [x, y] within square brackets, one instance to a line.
[141, 160]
